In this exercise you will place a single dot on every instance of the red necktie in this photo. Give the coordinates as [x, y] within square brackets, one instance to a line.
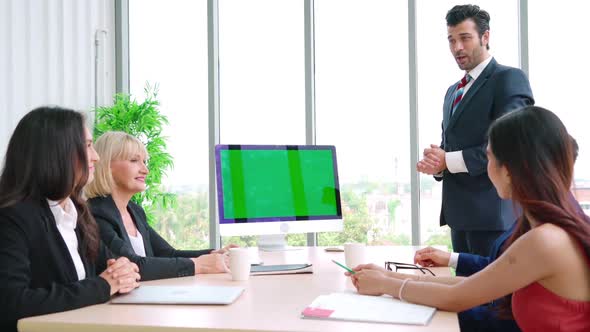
[459, 93]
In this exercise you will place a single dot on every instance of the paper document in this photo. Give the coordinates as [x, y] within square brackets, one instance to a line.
[364, 308]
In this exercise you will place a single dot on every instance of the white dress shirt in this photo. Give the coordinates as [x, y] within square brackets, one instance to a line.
[454, 259]
[454, 160]
[137, 244]
[66, 221]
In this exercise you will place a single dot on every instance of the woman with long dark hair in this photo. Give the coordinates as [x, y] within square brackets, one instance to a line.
[544, 270]
[50, 249]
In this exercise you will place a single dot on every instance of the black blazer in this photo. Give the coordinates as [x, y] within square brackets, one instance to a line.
[470, 201]
[161, 261]
[37, 274]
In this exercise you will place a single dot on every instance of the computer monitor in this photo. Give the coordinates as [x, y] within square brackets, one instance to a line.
[277, 189]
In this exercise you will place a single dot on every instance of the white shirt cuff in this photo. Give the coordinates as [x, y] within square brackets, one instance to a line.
[455, 162]
[454, 260]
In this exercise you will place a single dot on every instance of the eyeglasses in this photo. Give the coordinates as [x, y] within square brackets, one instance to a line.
[406, 266]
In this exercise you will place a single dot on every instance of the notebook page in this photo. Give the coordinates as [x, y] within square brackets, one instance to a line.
[381, 309]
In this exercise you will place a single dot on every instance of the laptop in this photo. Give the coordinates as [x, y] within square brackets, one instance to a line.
[180, 295]
[281, 269]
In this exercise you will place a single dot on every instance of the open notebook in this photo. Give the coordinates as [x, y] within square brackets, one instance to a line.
[364, 308]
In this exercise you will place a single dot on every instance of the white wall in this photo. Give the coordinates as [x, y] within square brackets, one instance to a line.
[47, 56]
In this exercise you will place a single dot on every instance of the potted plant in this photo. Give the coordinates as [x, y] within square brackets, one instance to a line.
[144, 121]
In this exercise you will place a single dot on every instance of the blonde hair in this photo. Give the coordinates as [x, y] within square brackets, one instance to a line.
[112, 145]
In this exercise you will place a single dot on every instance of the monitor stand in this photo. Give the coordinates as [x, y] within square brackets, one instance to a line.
[274, 242]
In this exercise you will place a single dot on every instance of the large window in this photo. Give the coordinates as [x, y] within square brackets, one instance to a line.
[437, 70]
[361, 95]
[168, 47]
[261, 72]
[558, 76]
[362, 109]
[262, 78]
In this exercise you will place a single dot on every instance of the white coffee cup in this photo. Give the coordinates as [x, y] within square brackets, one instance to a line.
[354, 254]
[239, 264]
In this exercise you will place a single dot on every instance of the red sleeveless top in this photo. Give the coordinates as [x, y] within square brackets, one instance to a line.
[536, 308]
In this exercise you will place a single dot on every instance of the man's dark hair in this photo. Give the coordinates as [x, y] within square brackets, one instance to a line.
[480, 17]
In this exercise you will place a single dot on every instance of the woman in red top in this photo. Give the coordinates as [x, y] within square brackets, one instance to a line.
[545, 267]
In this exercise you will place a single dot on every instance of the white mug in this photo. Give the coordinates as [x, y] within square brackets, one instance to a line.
[239, 264]
[354, 254]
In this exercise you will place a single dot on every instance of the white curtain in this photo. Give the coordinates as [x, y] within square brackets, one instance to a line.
[47, 57]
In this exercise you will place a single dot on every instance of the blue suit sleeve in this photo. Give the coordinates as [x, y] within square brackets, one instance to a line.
[468, 264]
[442, 127]
[442, 146]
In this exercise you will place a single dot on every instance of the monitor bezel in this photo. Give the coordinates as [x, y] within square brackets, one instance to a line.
[237, 221]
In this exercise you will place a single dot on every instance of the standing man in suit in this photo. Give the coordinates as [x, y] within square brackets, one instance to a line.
[470, 204]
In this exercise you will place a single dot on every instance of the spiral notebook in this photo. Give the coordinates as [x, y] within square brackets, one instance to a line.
[364, 308]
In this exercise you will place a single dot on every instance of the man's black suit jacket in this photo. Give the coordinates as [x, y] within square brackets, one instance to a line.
[161, 261]
[470, 201]
[37, 274]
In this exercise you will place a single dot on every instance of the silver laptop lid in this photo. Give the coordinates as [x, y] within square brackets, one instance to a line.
[180, 295]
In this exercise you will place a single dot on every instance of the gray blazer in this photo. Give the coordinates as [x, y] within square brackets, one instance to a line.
[470, 201]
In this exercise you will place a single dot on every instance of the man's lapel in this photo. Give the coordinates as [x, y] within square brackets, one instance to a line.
[479, 82]
[448, 106]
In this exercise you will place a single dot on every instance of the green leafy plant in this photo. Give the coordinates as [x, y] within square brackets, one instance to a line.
[144, 121]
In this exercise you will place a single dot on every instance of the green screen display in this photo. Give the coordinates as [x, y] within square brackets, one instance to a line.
[278, 183]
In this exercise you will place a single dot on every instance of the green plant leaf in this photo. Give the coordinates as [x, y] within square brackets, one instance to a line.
[144, 121]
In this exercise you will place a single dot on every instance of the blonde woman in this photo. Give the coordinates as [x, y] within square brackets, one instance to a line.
[120, 174]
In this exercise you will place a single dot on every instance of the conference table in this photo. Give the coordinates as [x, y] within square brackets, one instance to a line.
[269, 302]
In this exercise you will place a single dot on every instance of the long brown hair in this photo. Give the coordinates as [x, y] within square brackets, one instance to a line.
[535, 147]
[46, 159]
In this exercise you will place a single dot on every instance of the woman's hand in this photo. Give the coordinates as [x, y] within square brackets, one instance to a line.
[366, 267]
[370, 282]
[211, 263]
[225, 249]
[122, 275]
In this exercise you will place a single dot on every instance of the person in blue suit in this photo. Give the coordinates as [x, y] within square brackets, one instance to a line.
[481, 318]
[470, 204]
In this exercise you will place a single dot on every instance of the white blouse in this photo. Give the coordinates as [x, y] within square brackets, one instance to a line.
[66, 221]
[137, 244]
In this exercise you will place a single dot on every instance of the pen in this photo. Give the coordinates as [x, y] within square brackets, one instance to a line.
[344, 267]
